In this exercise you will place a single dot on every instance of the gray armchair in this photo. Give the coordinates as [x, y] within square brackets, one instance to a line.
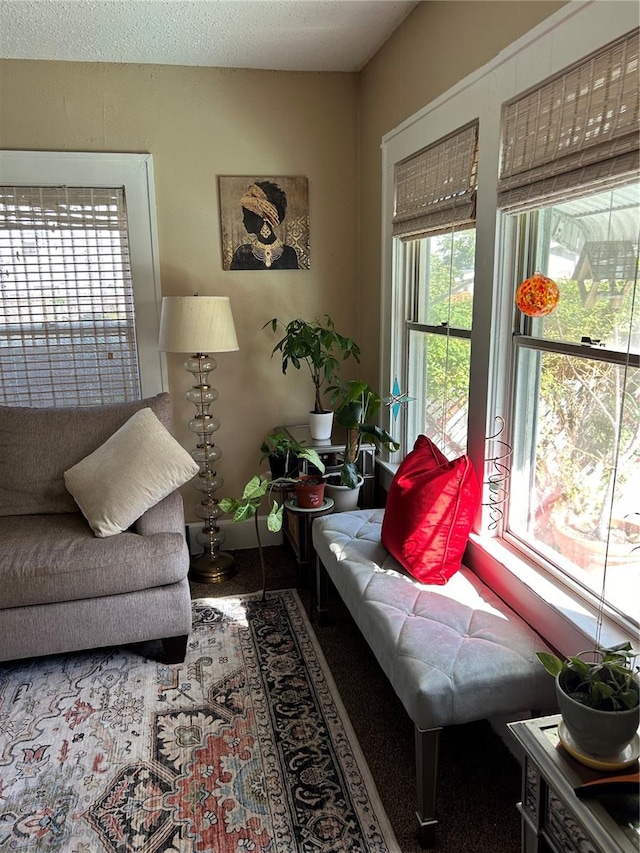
[61, 587]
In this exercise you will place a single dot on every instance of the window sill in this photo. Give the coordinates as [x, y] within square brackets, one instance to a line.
[385, 472]
[566, 621]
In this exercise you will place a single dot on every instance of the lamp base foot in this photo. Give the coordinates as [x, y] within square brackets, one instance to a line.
[213, 569]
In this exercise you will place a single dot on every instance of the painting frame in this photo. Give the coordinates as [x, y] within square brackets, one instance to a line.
[270, 230]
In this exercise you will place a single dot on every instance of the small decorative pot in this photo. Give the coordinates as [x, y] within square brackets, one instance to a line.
[320, 425]
[310, 492]
[344, 498]
[602, 734]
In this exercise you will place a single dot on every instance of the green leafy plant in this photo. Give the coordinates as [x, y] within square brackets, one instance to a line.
[248, 505]
[316, 344]
[356, 405]
[288, 451]
[610, 683]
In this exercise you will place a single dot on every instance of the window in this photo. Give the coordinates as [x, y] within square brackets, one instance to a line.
[570, 163]
[575, 480]
[438, 334]
[79, 286]
[67, 331]
[557, 191]
[435, 243]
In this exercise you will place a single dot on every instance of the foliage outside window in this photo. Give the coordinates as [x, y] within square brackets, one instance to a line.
[575, 482]
[441, 301]
[558, 129]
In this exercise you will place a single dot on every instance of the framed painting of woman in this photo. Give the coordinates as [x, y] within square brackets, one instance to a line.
[265, 223]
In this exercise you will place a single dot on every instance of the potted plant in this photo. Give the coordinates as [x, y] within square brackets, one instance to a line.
[318, 345]
[598, 698]
[356, 404]
[247, 506]
[309, 488]
[284, 454]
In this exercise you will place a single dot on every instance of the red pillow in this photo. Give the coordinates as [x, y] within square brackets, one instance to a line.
[429, 512]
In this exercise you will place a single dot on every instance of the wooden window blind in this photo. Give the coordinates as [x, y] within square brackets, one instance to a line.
[435, 189]
[578, 129]
[67, 325]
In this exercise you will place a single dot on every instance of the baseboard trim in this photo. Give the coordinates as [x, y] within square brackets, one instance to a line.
[238, 536]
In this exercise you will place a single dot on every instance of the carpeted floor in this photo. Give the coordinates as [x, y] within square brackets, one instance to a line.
[479, 780]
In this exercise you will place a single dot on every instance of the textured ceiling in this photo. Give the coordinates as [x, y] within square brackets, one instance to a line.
[289, 35]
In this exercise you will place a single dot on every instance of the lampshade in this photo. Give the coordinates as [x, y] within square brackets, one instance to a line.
[194, 324]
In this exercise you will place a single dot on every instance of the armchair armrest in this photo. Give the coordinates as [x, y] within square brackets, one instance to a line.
[165, 517]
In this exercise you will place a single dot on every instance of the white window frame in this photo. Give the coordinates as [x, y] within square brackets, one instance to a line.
[573, 32]
[134, 172]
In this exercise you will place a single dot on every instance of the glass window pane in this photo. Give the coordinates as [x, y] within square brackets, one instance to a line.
[589, 247]
[439, 381]
[445, 279]
[572, 474]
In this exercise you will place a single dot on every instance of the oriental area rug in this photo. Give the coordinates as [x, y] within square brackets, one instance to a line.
[245, 747]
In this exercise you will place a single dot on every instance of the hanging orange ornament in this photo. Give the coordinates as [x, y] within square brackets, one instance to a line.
[537, 296]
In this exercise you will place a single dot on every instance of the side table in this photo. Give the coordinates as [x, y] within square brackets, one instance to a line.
[554, 818]
[297, 528]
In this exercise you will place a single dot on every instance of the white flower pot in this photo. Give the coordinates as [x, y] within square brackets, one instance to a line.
[320, 425]
[344, 498]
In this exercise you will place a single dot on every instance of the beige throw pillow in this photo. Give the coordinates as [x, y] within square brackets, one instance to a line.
[133, 470]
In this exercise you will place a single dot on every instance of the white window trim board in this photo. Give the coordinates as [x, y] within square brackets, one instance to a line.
[134, 172]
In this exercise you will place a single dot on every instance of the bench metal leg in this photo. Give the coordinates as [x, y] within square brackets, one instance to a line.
[322, 591]
[426, 776]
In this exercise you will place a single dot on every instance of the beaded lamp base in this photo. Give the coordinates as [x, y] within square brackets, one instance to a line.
[214, 566]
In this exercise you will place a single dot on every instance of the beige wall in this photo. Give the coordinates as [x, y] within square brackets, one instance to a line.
[437, 45]
[200, 123]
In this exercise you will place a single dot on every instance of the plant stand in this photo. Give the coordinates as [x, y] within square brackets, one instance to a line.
[330, 451]
[297, 531]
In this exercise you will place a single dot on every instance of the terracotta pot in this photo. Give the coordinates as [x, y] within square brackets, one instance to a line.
[310, 492]
[590, 554]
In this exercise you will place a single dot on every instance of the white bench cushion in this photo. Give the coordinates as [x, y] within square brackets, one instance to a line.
[453, 653]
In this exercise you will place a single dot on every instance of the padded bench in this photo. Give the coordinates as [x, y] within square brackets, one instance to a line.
[453, 654]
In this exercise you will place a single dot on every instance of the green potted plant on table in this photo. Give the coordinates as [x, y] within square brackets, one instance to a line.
[316, 344]
[356, 404]
[284, 454]
[259, 486]
[599, 699]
